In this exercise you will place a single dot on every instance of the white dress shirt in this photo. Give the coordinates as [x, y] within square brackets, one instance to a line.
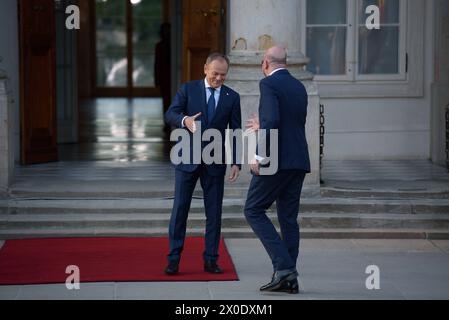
[208, 94]
[276, 70]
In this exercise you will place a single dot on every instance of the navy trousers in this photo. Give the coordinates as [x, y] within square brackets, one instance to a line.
[213, 187]
[285, 188]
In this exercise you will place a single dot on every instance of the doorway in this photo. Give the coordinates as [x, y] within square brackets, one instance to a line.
[126, 33]
[111, 56]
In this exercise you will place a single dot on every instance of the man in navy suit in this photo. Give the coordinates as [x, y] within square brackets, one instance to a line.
[215, 106]
[283, 107]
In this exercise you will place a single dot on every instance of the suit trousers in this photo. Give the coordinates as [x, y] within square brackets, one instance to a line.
[213, 188]
[285, 188]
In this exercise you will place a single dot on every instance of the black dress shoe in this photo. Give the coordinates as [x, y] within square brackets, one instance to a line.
[282, 282]
[287, 286]
[172, 268]
[212, 267]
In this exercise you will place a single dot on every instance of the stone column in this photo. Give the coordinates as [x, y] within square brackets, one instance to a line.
[255, 26]
[6, 141]
[440, 92]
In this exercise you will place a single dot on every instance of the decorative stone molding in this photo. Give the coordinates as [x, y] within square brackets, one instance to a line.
[244, 77]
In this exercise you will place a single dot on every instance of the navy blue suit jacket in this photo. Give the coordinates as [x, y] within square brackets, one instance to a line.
[283, 106]
[191, 100]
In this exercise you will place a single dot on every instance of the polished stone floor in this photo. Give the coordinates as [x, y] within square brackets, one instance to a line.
[119, 130]
[123, 139]
[120, 139]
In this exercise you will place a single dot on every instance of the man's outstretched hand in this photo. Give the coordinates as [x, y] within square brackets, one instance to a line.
[252, 124]
[189, 122]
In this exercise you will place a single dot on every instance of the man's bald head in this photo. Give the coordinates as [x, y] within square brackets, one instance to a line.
[276, 56]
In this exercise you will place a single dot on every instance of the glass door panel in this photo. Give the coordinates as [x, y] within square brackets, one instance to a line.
[127, 32]
[147, 18]
[111, 43]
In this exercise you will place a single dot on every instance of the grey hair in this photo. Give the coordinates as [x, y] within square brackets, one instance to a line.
[217, 56]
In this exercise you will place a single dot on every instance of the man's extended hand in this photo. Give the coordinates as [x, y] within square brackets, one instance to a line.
[252, 124]
[255, 166]
[189, 122]
[235, 171]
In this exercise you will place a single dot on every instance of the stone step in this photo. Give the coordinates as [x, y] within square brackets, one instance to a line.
[306, 233]
[156, 206]
[134, 189]
[141, 220]
[405, 193]
[146, 190]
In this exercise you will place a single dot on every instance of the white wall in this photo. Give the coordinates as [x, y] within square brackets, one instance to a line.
[9, 51]
[383, 128]
[376, 129]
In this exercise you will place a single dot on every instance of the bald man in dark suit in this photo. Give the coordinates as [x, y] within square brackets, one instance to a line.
[283, 107]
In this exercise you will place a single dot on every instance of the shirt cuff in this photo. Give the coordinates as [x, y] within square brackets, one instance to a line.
[259, 158]
[182, 122]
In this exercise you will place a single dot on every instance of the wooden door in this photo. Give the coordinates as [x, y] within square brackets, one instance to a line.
[203, 33]
[38, 81]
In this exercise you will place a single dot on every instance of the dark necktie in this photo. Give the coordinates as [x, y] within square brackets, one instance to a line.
[211, 105]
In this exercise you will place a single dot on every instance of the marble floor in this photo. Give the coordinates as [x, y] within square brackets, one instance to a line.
[119, 130]
[123, 138]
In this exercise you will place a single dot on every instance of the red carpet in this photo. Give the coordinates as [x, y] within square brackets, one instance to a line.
[43, 261]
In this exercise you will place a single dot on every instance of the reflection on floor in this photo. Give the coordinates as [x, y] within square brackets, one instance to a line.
[120, 130]
[123, 139]
[120, 139]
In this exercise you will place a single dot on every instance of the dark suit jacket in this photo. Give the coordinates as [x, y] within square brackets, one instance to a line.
[189, 101]
[283, 106]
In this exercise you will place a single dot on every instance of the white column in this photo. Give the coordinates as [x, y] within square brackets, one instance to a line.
[6, 145]
[255, 26]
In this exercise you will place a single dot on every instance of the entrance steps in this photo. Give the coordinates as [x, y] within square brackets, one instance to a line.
[134, 217]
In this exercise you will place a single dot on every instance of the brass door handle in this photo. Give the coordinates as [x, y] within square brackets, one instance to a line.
[206, 13]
